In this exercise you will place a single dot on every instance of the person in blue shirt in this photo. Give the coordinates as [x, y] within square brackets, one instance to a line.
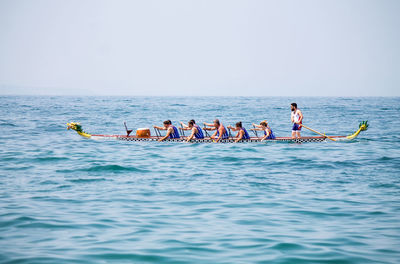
[220, 132]
[172, 131]
[196, 130]
[242, 134]
[263, 126]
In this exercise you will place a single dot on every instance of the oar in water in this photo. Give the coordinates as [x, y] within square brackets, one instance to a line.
[254, 130]
[158, 134]
[182, 130]
[205, 130]
[317, 132]
[229, 133]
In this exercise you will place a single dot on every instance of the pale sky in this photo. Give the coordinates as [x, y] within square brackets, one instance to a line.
[216, 47]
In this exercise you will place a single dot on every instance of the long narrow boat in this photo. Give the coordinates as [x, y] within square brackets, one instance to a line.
[78, 128]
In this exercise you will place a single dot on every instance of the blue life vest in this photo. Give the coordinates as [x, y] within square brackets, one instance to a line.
[199, 133]
[246, 135]
[175, 133]
[271, 134]
[225, 135]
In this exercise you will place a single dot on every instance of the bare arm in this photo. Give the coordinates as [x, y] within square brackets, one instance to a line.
[257, 126]
[233, 128]
[239, 136]
[213, 135]
[167, 135]
[221, 133]
[265, 137]
[194, 130]
[300, 117]
[160, 128]
[211, 126]
[185, 127]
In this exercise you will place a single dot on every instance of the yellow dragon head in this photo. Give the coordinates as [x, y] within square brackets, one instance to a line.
[74, 126]
[78, 128]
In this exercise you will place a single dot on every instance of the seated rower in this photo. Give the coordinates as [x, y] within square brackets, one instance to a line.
[263, 126]
[242, 134]
[172, 131]
[221, 132]
[196, 130]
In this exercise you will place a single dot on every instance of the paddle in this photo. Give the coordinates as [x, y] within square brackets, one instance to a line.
[182, 130]
[317, 132]
[229, 133]
[205, 130]
[158, 134]
[254, 130]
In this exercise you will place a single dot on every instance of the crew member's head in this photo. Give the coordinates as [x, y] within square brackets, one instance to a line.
[239, 125]
[293, 106]
[216, 123]
[191, 123]
[264, 123]
[167, 123]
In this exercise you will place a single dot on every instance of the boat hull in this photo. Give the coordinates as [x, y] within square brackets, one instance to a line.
[78, 128]
[209, 140]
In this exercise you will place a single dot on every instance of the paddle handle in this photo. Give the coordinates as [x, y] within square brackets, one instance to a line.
[317, 132]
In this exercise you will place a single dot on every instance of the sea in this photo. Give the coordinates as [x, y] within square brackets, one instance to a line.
[68, 199]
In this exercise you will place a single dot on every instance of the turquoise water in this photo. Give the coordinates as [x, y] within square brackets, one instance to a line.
[66, 199]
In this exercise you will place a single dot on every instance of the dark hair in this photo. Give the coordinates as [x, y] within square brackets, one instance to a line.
[294, 104]
[192, 120]
[216, 121]
[264, 123]
[167, 122]
[239, 124]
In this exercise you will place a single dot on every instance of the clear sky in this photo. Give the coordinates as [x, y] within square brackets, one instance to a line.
[204, 47]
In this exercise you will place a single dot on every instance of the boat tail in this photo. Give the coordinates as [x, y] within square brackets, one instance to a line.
[362, 127]
[78, 128]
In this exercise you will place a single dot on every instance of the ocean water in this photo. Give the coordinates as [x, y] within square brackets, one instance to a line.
[66, 199]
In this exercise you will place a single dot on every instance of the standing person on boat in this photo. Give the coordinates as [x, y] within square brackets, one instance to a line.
[172, 131]
[221, 132]
[263, 126]
[297, 120]
[242, 134]
[196, 130]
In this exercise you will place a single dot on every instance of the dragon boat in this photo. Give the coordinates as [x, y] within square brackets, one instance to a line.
[146, 136]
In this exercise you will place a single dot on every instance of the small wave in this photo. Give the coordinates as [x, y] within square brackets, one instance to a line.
[7, 124]
[384, 185]
[45, 159]
[287, 246]
[86, 180]
[100, 168]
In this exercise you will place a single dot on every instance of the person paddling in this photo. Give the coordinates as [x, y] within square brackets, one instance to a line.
[220, 132]
[297, 119]
[263, 126]
[196, 130]
[172, 131]
[242, 134]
